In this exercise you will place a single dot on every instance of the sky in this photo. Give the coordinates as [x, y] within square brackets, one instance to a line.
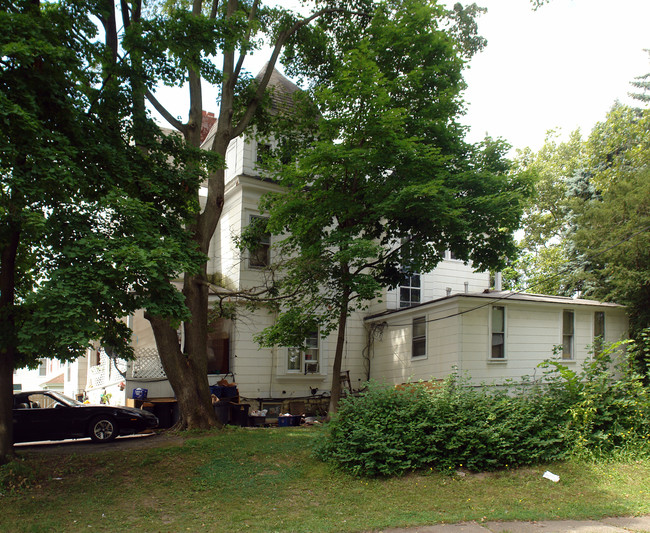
[561, 67]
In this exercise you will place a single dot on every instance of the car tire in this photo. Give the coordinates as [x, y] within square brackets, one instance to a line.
[103, 429]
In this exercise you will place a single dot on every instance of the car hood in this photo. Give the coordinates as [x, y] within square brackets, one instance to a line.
[127, 410]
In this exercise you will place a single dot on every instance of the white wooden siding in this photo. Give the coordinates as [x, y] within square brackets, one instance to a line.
[463, 341]
[449, 273]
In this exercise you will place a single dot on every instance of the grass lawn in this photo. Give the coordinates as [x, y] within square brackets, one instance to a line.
[266, 480]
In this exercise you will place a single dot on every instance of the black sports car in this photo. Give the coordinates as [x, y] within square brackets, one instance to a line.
[48, 415]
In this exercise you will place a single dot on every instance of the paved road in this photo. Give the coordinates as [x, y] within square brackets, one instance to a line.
[640, 524]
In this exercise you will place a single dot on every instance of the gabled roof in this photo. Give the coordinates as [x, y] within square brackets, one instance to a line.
[58, 380]
[282, 90]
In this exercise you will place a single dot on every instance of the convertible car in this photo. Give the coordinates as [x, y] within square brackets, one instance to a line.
[48, 415]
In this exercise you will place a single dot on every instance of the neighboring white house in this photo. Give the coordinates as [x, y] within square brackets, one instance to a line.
[68, 378]
[434, 323]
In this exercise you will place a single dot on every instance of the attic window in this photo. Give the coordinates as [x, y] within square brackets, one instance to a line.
[263, 153]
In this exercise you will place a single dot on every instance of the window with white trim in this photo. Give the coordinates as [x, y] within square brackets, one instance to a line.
[410, 290]
[568, 329]
[260, 255]
[498, 333]
[419, 340]
[305, 360]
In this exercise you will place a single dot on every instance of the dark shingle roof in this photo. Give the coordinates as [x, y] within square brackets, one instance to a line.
[282, 90]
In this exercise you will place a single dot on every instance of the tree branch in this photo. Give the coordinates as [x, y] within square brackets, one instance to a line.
[282, 39]
[213, 11]
[166, 114]
[246, 42]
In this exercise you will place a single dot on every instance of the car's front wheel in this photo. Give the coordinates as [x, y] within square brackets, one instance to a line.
[103, 429]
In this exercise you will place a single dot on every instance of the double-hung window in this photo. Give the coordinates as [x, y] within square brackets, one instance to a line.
[498, 334]
[259, 256]
[419, 341]
[410, 290]
[305, 360]
[567, 334]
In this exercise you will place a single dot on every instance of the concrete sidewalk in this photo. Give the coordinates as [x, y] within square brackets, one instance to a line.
[637, 524]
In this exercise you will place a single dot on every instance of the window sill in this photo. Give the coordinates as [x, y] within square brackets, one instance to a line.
[497, 361]
[301, 378]
[419, 358]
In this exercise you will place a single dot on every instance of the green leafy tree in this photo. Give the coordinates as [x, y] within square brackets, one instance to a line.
[540, 264]
[587, 228]
[387, 184]
[74, 190]
[642, 83]
[610, 241]
[189, 44]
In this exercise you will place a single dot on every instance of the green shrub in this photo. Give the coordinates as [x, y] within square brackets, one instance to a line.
[600, 411]
[609, 408]
[387, 431]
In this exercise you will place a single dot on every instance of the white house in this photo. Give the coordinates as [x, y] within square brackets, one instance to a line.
[490, 336]
[66, 377]
[434, 323]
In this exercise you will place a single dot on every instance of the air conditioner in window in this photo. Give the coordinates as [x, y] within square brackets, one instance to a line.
[311, 368]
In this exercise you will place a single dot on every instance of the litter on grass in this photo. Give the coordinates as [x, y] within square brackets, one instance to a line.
[550, 475]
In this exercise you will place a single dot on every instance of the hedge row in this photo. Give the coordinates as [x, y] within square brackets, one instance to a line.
[597, 412]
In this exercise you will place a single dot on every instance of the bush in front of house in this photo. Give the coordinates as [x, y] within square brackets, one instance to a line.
[387, 431]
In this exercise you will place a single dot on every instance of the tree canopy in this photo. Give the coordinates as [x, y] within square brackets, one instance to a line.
[587, 229]
[75, 190]
[386, 184]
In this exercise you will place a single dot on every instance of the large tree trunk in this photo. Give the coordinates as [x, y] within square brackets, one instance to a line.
[187, 374]
[6, 404]
[7, 341]
[338, 356]
[187, 369]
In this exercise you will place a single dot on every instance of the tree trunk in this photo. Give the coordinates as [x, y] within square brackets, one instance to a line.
[187, 374]
[187, 369]
[7, 341]
[338, 356]
[6, 404]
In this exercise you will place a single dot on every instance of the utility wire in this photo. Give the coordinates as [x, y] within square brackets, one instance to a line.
[497, 299]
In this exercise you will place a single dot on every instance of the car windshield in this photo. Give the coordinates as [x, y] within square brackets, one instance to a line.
[64, 399]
